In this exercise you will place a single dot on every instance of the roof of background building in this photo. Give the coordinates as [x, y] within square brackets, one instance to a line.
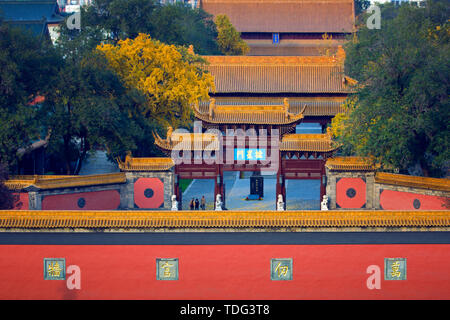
[299, 16]
[33, 15]
[275, 74]
[315, 106]
[30, 10]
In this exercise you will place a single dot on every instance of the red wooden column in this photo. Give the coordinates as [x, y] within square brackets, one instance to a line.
[281, 186]
[322, 180]
[219, 185]
[177, 189]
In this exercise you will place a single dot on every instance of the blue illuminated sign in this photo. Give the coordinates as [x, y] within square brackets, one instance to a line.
[275, 38]
[249, 154]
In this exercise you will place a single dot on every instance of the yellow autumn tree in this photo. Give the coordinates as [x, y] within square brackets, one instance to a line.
[167, 75]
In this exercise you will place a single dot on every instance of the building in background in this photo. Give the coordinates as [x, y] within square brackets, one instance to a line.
[40, 17]
[73, 5]
[399, 2]
[286, 27]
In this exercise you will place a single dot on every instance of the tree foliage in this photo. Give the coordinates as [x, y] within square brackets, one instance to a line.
[228, 38]
[6, 197]
[399, 113]
[85, 111]
[360, 6]
[176, 23]
[167, 76]
[25, 67]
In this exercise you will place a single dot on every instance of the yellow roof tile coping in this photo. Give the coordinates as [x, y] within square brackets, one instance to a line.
[308, 143]
[228, 219]
[145, 164]
[351, 164]
[413, 181]
[306, 136]
[273, 60]
[56, 182]
[249, 114]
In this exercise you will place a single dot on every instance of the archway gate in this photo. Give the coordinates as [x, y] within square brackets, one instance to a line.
[252, 138]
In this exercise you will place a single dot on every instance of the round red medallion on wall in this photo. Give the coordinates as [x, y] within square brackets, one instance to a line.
[350, 193]
[149, 193]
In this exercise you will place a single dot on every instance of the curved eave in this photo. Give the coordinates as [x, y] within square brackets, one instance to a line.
[290, 119]
[162, 143]
[146, 164]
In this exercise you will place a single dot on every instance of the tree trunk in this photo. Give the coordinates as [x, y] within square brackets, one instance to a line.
[67, 154]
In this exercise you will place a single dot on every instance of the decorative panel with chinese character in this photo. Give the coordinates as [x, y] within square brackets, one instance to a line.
[54, 269]
[394, 268]
[166, 269]
[281, 269]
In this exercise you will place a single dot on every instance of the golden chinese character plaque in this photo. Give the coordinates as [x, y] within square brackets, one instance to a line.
[166, 269]
[394, 268]
[281, 269]
[54, 269]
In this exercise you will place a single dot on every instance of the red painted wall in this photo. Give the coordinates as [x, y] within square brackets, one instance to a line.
[21, 201]
[225, 272]
[397, 200]
[97, 200]
[149, 193]
[350, 193]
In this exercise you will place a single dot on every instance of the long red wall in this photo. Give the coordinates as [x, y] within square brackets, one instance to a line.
[397, 200]
[96, 200]
[225, 272]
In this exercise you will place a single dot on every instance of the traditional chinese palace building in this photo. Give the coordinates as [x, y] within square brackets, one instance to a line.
[287, 27]
[269, 93]
[120, 235]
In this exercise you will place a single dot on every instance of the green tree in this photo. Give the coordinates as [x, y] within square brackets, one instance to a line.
[176, 24]
[85, 108]
[26, 65]
[399, 113]
[165, 74]
[228, 38]
[6, 197]
[360, 6]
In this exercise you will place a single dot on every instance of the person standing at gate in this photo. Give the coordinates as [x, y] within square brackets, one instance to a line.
[203, 203]
[197, 204]
[191, 204]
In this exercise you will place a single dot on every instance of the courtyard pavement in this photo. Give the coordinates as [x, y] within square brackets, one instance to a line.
[300, 194]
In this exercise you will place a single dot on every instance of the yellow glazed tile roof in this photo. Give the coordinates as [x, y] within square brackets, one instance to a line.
[413, 181]
[350, 164]
[276, 74]
[249, 114]
[315, 106]
[226, 219]
[187, 141]
[285, 15]
[145, 164]
[308, 142]
[56, 182]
